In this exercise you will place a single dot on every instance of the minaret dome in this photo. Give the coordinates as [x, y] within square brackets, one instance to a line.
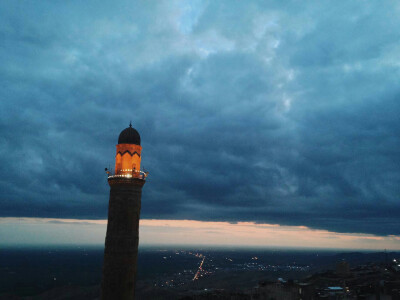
[129, 136]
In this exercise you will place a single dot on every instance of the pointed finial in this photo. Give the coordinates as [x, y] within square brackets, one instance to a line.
[130, 124]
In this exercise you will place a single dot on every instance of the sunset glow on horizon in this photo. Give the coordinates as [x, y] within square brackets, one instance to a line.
[50, 231]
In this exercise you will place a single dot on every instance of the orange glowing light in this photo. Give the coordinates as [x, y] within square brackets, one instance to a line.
[127, 159]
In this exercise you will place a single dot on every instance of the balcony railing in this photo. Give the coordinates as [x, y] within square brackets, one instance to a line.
[126, 173]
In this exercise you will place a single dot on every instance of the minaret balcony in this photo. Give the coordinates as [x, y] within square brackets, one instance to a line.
[128, 174]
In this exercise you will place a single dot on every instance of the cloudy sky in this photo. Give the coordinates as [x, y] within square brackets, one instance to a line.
[262, 112]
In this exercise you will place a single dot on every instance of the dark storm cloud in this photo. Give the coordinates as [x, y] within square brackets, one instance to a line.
[247, 112]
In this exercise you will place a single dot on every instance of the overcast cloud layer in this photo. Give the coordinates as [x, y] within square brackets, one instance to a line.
[273, 113]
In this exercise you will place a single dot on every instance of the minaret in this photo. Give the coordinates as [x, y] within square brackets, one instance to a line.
[122, 238]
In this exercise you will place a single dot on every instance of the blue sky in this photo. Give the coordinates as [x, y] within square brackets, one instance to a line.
[267, 112]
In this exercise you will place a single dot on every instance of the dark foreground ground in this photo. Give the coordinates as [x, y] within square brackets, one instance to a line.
[164, 273]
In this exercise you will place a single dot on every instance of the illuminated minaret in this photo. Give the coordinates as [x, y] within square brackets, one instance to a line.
[122, 238]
